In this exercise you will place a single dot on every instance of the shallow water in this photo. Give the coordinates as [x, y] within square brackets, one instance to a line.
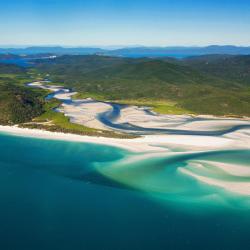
[65, 195]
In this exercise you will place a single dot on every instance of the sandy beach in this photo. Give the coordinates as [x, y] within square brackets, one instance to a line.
[147, 143]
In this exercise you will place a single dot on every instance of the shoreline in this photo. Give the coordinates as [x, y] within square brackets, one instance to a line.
[143, 144]
[154, 146]
[134, 145]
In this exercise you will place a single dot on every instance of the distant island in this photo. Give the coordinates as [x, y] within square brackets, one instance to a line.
[137, 51]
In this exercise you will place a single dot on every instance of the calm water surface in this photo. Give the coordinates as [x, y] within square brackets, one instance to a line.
[64, 195]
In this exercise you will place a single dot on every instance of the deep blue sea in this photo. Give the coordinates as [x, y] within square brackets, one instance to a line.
[54, 195]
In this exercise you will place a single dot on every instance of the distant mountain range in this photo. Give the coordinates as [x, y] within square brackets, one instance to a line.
[132, 51]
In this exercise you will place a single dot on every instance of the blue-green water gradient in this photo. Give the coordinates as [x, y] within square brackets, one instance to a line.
[53, 195]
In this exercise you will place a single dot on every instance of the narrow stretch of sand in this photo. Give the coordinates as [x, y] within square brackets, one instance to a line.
[137, 146]
[155, 143]
[238, 187]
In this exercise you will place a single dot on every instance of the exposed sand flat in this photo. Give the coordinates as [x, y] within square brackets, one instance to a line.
[64, 96]
[242, 188]
[243, 134]
[85, 112]
[231, 169]
[155, 143]
[139, 117]
[215, 124]
[52, 88]
[193, 142]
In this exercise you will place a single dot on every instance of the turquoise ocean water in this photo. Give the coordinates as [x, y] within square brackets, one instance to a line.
[65, 195]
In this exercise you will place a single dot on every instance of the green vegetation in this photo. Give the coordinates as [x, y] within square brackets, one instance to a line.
[27, 107]
[10, 69]
[159, 106]
[58, 119]
[17, 104]
[57, 122]
[162, 107]
[168, 86]
[231, 68]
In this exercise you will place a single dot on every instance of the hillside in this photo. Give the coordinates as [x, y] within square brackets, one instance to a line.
[233, 68]
[112, 78]
[17, 102]
[10, 69]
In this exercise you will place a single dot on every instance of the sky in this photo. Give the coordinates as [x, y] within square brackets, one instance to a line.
[124, 23]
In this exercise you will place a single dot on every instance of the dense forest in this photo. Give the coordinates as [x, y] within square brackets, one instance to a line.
[17, 102]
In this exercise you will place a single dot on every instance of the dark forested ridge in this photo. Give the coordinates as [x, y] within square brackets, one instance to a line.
[10, 69]
[17, 102]
[232, 68]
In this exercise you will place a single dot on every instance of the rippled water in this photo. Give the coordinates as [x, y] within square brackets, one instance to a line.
[64, 195]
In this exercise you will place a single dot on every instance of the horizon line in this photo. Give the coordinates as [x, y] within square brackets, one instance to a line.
[23, 46]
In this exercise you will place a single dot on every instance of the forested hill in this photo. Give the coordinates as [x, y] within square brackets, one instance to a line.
[10, 69]
[17, 102]
[233, 68]
[188, 83]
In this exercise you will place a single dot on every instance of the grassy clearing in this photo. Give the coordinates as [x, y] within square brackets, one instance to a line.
[162, 107]
[89, 95]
